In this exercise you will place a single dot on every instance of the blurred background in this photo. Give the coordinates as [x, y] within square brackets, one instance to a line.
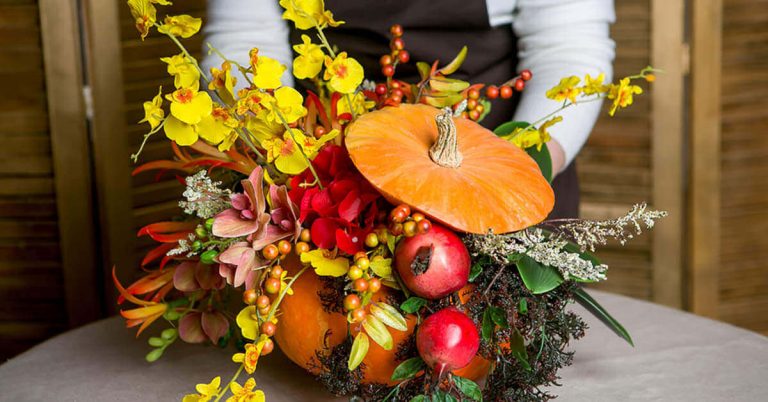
[74, 74]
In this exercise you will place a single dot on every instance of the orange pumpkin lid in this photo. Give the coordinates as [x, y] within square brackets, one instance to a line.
[460, 174]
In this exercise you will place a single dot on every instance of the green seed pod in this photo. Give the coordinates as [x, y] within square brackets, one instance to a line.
[169, 333]
[197, 245]
[209, 224]
[156, 342]
[208, 256]
[154, 354]
[200, 232]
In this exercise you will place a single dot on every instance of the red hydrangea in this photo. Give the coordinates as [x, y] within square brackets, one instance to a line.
[342, 213]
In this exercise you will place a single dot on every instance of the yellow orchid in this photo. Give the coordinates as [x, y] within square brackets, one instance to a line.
[205, 391]
[360, 103]
[180, 25]
[310, 59]
[344, 74]
[144, 14]
[153, 111]
[594, 85]
[310, 144]
[566, 89]
[533, 137]
[190, 105]
[217, 126]
[262, 128]
[246, 392]
[288, 102]
[250, 358]
[622, 94]
[267, 72]
[222, 79]
[308, 14]
[181, 133]
[285, 153]
[250, 100]
[325, 264]
[183, 70]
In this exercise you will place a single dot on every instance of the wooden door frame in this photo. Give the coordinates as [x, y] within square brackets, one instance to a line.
[71, 158]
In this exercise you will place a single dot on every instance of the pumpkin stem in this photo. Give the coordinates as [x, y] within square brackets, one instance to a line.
[445, 151]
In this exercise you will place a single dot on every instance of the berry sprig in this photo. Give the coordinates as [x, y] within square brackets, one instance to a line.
[477, 106]
[393, 92]
[402, 222]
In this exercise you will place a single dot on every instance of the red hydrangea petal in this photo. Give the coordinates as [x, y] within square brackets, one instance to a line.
[347, 243]
[323, 233]
[350, 207]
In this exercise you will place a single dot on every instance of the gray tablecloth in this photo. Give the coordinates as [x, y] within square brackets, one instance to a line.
[678, 357]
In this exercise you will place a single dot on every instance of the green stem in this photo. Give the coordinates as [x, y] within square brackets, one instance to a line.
[560, 109]
[186, 54]
[226, 387]
[135, 157]
[239, 66]
[280, 297]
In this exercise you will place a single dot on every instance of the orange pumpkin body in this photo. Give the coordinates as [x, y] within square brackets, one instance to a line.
[496, 187]
[303, 324]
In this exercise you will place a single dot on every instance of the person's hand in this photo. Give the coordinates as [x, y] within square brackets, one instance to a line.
[558, 156]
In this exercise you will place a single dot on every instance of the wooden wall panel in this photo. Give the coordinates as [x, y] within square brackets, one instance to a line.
[615, 165]
[743, 273]
[31, 282]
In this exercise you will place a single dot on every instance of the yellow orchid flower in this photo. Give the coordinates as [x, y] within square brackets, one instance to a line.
[252, 353]
[263, 128]
[250, 100]
[310, 144]
[182, 133]
[223, 80]
[310, 59]
[217, 126]
[566, 89]
[594, 85]
[183, 70]
[288, 102]
[205, 391]
[153, 111]
[307, 14]
[248, 321]
[324, 263]
[622, 94]
[267, 73]
[246, 393]
[190, 105]
[180, 25]
[144, 14]
[533, 137]
[285, 154]
[360, 103]
[344, 74]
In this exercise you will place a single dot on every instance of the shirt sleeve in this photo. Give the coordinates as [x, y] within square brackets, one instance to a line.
[234, 27]
[556, 39]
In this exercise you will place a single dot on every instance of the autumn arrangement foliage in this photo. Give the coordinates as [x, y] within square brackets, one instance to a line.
[375, 232]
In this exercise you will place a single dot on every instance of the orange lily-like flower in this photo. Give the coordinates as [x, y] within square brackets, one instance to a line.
[168, 233]
[145, 315]
[159, 281]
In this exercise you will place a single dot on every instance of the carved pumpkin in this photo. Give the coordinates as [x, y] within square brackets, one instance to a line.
[303, 324]
[452, 169]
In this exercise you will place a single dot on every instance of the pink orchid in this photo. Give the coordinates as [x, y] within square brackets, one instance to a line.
[190, 276]
[239, 264]
[247, 217]
[196, 327]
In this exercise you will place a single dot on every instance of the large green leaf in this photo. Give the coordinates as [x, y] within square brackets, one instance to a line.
[517, 345]
[542, 157]
[378, 332]
[469, 388]
[413, 304]
[359, 350]
[591, 305]
[408, 369]
[537, 277]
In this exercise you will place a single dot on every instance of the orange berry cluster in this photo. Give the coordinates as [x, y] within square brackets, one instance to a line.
[398, 53]
[475, 108]
[402, 222]
[362, 282]
[264, 305]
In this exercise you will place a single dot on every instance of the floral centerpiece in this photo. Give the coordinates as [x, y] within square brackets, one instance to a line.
[383, 239]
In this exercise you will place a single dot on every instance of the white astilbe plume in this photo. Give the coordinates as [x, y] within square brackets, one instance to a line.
[589, 234]
[204, 197]
[550, 248]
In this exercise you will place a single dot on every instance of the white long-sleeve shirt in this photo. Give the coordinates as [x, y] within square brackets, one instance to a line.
[556, 39]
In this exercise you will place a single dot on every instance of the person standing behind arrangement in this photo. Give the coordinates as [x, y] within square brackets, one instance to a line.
[552, 38]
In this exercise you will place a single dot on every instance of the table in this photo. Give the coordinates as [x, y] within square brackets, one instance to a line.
[678, 357]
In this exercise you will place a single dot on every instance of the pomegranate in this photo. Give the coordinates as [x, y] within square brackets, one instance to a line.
[447, 340]
[433, 264]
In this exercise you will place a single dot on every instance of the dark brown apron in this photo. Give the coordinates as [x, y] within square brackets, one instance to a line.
[437, 30]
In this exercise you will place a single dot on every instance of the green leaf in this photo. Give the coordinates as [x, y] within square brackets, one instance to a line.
[445, 84]
[154, 354]
[538, 278]
[359, 350]
[498, 316]
[424, 69]
[487, 327]
[486, 108]
[543, 158]
[523, 306]
[378, 332]
[392, 243]
[469, 388]
[156, 342]
[477, 269]
[591, 305]
[517, 346]
[419, 398]
[442, 396]
[382, 267]
[457, 61]
[408, 369]
[389, 316]
[413, 304]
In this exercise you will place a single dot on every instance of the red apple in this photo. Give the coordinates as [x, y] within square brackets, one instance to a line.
[434, 264]
[447, 340]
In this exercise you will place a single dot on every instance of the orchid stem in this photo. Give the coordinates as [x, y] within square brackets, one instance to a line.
[135, 157]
